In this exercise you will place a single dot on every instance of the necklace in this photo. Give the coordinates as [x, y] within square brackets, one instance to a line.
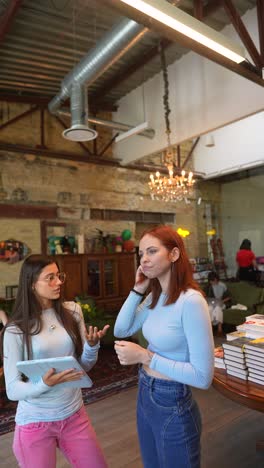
[52, 327]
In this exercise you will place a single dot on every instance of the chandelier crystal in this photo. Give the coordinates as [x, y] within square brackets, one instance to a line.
[174, 187]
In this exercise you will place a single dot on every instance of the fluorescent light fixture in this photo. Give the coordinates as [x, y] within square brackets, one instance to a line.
[180, 21]
[132, 131]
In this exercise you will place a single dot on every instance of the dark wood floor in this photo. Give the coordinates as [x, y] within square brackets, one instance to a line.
[230, 432]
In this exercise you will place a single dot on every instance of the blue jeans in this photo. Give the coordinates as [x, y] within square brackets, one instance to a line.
[169, 424]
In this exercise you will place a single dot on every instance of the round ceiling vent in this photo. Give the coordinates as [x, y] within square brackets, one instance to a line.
[79, 133]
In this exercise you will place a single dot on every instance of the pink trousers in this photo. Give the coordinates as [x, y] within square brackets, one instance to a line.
[35, 443]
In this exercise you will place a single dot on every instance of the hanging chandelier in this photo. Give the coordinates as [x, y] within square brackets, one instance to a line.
[174, 187]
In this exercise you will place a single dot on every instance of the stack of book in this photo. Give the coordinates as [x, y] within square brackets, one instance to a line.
[219, 357]
[234, 357]
[253, 327]
[234, 335]
[254, 354]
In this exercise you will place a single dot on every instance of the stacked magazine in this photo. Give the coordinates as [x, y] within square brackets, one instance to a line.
[234, 357]
[253, 327]
[235, 334]
[219, 357]
[244, 358]
[254, 353]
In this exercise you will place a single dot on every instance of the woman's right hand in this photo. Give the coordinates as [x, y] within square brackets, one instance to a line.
[3, 317]
[141, 281]
[52, 378]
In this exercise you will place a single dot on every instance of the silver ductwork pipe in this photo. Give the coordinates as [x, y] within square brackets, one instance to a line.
[149, 133]
[108, 50]
[79, 130]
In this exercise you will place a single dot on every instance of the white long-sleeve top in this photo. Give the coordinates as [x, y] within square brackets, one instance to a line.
[179, 335]
[36, 400]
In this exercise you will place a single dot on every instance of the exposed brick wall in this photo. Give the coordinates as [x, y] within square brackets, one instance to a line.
[26, 231]
[75, 187]
[26, 131]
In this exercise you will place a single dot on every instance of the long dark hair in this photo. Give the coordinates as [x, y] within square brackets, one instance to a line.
[26, 314]
[246, 245]
[181, 271]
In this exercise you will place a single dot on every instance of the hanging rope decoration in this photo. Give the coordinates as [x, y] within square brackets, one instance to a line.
[171, 188]
[166, 90]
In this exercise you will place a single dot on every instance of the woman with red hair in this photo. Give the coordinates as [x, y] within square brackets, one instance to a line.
[175, 321]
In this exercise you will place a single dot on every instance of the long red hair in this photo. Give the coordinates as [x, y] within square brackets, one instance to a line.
[181, 271]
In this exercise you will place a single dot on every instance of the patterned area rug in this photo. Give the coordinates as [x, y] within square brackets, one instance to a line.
[108, 377]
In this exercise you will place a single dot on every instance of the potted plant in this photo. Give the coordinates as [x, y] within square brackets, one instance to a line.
[95, 316]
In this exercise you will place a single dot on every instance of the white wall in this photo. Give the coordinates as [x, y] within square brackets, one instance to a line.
[203, 96]
[236, 146]
[242, 217]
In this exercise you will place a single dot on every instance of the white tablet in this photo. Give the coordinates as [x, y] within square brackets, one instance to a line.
[38, 367]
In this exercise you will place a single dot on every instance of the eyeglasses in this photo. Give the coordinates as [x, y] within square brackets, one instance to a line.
[52, 278]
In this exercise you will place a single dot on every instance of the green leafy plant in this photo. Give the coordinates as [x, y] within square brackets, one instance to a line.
[89, 308]
[89, 312]
[95, 316]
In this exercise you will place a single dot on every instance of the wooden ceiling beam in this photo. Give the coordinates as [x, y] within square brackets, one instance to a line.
[57, 154]
[42, 128]
[43, 102]
[98, 96]
[212, 7]
[242, 32]
[18, 117]
[152, 168]
[207, 10]
[242, 69]
[260, 14]
[8, 17]
[198, 9]
[49, 154]
[179, 156]
[191, 152]
[105, 148]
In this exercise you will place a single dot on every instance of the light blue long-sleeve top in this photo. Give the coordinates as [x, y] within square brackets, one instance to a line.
[179, 335]
[36, 400]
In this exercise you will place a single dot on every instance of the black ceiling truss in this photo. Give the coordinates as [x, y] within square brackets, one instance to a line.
[250, 71]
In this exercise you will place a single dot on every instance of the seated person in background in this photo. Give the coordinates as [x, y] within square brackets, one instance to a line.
[217, 297]
[246, 262]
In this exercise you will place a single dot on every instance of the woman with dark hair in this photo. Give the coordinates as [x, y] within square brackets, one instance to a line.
[49, 415]
[246, 262]
[175, 321]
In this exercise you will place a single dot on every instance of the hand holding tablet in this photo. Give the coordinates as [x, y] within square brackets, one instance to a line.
[37, 368]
